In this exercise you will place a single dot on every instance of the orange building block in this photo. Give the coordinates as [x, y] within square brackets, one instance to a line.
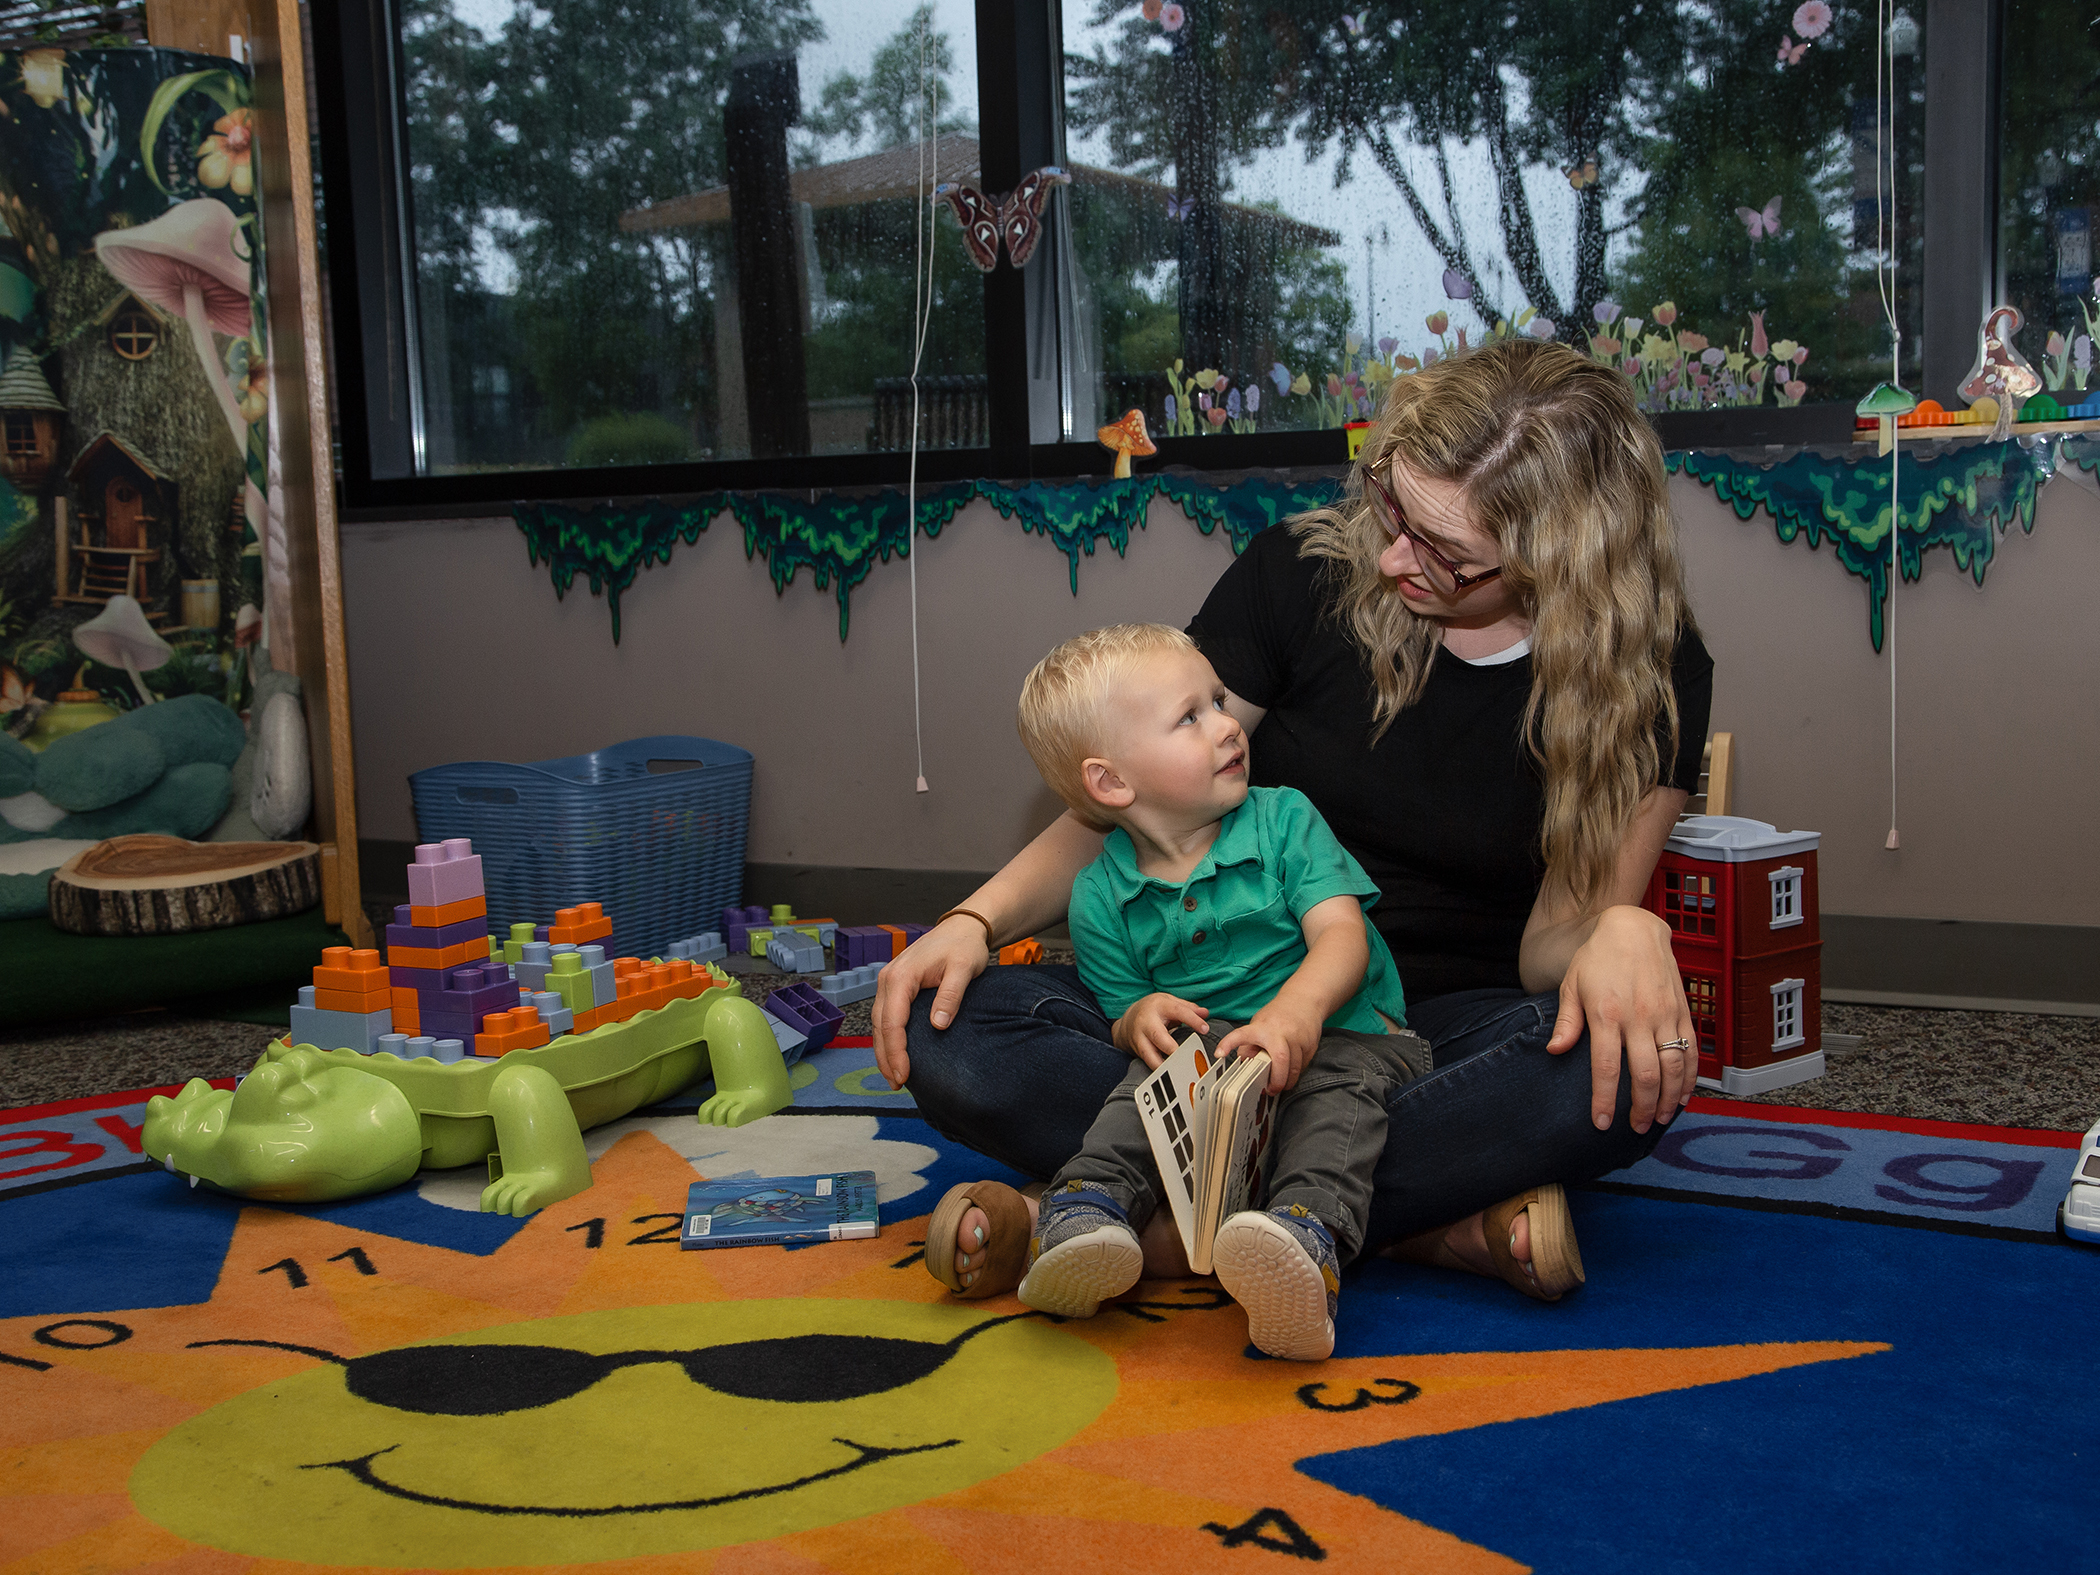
[897, 941]
[1028, 951]
[436, 918]
[362, 1002]
[436, 957]
[520, 1028]
[579, 925]
[359, 972]
[408, 1011]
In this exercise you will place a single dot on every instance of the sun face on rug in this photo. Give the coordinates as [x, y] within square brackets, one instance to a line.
[641, 1430]
[586, 1391]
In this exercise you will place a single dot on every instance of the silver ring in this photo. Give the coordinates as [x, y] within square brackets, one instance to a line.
[1675, 1044]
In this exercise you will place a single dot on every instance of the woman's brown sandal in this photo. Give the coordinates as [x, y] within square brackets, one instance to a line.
[1556, 1263]
[1007, 1229]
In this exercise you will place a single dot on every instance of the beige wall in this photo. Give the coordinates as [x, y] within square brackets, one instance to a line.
[458, 650]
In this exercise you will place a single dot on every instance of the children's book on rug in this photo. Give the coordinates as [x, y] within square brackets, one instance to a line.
[765, 1211]
[1208, 1119]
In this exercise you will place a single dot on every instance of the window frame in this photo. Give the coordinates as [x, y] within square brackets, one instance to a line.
[370, 247]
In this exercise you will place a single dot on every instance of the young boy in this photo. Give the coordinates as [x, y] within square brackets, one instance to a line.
[1212, 897]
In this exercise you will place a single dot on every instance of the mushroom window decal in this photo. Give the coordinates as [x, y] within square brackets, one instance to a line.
[186, 263]
[119, 636]
[1125, 438]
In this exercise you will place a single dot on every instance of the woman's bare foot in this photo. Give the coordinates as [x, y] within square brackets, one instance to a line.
[1164, 1258]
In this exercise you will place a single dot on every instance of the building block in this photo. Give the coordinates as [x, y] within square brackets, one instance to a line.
[520, 1028]
[584, 922]
[534, 959]
[359, 1001]
[1028, 951]
[444, 957]
[513, 950]
[855, 984]
[913, 931]
[436, 918]
[444, 872]
[857, 946]
[793, 952]
[407, 1007]
[341, 968]
[402, 933]
[705, 947]
[736, 921]
[896, 935]
[326, 1030]
[570, 980]
[792, 1041]
[558, 1018]
[600, 968]
[806, 1011]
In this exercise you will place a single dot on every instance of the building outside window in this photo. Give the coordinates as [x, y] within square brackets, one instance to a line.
[1786, 1014]
[1786, 896]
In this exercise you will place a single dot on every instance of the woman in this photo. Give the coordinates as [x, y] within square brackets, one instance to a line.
[1481, 666]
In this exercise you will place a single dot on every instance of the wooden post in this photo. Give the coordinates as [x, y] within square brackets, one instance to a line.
[764, 100]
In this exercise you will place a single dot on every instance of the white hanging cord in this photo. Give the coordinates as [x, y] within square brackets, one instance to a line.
[1885, 251]
[922, 318]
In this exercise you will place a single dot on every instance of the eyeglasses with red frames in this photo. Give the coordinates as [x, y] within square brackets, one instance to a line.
[1435, 565]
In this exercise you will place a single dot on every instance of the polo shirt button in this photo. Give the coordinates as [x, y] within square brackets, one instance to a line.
[1189, 903]
[1198, 937]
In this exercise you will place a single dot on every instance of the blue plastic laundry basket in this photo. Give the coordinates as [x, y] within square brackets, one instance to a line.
[653, 829]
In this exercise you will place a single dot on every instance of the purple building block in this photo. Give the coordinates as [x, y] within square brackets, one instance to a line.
[736, 926]
[913, 931]
[403, 933]
[448, 871]
[808, 1013]
[416, 978]
[860, 946]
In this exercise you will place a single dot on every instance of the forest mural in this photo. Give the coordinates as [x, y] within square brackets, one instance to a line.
[133, 385]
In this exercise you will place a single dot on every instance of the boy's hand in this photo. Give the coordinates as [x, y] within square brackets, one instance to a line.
[1147, 1029]
[1290, 1034]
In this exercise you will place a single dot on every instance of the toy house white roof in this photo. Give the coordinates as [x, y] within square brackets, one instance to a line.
[1731, 839]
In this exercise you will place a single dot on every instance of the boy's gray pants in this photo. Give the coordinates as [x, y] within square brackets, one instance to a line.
[1329, 1131]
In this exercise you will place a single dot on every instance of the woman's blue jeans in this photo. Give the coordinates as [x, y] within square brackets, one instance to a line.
[1028, 1062]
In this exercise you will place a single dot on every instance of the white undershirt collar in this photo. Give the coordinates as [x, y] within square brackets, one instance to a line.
[1515, 653]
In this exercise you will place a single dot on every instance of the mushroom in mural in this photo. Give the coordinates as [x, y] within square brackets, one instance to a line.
[1125, 438]
[185, 262]
[119, 636]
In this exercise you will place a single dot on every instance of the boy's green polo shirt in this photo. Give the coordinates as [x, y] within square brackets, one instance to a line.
[1231, 935]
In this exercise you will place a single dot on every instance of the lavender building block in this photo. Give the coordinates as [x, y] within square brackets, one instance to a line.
[444, 872]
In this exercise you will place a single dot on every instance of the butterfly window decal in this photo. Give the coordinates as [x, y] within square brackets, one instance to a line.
[1790, 53]
[1354, 22]
[1180, 207]
[1012, 217]
[1760, 223]
[1581, 176]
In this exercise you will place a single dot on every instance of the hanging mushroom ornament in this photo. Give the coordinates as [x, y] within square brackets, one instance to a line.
[119, 636]
[1125, 438]
[186, 262]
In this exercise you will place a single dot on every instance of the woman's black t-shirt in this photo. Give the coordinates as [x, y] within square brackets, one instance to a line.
[1444, 811]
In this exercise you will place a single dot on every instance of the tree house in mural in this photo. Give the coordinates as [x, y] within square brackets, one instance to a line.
[31, 417]
[125, 506]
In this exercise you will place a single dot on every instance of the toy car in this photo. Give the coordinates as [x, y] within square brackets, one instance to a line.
[2078, 1216]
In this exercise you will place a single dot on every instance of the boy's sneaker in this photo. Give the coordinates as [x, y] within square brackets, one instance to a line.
[1281, 1267]
[1083, 1252]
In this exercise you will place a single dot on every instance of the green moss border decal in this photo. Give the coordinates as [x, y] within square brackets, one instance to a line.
[840, 537]
[1963, 497]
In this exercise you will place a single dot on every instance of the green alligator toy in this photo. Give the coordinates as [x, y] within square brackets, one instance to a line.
[309, 1125]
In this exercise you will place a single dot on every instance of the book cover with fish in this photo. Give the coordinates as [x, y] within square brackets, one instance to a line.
[761, 1211]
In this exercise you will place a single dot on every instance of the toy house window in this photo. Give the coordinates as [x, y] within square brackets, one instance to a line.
[1690, 902]
[1702, 992]
[21, 433]
[1787, 1031]
[133, 333]
[1786, 896]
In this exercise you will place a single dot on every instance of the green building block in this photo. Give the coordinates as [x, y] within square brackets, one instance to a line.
[513, 950]
[569, 979]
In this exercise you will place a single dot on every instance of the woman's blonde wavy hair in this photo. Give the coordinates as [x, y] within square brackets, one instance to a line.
[1561, 470]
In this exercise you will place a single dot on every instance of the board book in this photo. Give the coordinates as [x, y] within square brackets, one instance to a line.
[764, 1211]
[1208, 1120]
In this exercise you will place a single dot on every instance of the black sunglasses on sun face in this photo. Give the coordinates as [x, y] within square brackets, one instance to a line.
[1442, 572]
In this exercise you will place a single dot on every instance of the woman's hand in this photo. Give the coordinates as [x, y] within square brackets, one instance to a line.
[1146, 1030]
[1624, 984]
[949, 955]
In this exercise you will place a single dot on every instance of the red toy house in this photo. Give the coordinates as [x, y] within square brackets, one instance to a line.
[1741, 901]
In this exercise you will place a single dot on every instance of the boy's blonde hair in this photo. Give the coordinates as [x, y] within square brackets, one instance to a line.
[1065, 696]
